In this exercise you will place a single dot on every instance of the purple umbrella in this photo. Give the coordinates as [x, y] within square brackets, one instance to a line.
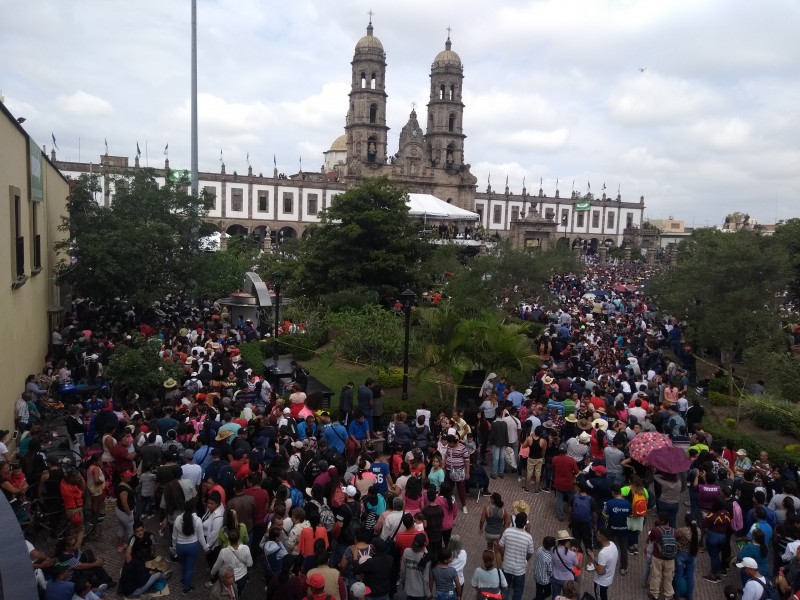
[669, 460]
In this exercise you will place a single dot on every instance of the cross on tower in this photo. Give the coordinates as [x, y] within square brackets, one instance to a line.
[370, 13]
[413, 106]
[448, 32]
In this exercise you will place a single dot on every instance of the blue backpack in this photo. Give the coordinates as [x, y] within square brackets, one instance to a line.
[582, 509]
[298, 501]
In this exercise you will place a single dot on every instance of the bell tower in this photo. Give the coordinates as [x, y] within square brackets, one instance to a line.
[366, 128]
[444, 132]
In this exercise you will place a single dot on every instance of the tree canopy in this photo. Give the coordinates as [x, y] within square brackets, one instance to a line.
[141, 247]
[366, 241]
[728, 287]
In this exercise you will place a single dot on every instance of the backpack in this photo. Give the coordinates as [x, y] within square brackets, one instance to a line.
[326, 518]
[298, 501]
[639, 504]
[770, 591]
[226, 477]
[668, 545]
[582, 509]
[737, 520]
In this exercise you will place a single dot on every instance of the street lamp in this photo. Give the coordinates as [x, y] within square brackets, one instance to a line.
[408, 299]
[564, 221]
[276, 283]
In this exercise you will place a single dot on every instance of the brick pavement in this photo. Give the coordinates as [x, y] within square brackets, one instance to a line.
[544, 522]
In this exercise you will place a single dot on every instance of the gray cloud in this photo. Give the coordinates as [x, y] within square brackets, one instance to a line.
[552, 88]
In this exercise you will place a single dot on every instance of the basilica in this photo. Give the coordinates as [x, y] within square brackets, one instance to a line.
[429, 161]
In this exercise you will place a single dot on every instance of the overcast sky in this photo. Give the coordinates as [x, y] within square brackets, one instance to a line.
[552, 89]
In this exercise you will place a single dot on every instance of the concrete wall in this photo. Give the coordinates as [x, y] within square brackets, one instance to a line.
[24, 325]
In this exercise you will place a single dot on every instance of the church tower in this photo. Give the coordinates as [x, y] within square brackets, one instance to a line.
[366, 128]
[444, 134]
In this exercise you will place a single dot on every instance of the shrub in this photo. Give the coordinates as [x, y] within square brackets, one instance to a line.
[370, 335]
[719, 399]
[719, 385]
[767, 419]
[730, 423]
[252, 355]
[390, 378]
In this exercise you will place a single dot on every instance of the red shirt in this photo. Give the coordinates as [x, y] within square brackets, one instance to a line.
[598, 403]
[404, 539]
[564, 471]
[261, 497]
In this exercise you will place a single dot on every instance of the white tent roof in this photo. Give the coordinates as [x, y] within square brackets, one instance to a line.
[428, 206]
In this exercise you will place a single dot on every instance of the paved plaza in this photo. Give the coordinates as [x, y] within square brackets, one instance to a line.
[543, 523]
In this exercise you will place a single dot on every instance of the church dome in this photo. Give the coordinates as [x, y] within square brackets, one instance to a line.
[369, 41]
[339, 144]
[447, 57]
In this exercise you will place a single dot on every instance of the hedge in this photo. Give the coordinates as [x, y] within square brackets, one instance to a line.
[718, 399]
[752, 445]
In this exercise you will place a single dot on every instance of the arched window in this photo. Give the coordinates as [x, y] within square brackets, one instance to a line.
[450, 154]
[451, 122]
[363, 80]
[373, 113]
[372, 81]
[441, 92]
[452, 92]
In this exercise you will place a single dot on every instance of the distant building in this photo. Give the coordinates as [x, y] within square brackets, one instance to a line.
[430, 158]
[35, 194]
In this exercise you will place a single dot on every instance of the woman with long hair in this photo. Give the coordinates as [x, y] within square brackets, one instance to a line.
[758, 550]
[688, 540]
[188, 538]
[446, 500]
[494, 520]
[717, 523]
[286, 584]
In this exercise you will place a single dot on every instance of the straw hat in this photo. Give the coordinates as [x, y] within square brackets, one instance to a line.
[600, 424]
[223, 434]
[571, 419]
[547, 380]
[562, 535]
[584, 424]
[170, 383]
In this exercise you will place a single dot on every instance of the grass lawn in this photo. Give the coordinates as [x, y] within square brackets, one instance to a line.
[335, 374]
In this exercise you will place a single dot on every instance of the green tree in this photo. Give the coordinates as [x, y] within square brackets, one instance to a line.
[138, 367]
[219, 273]
[727, 286]
[787, 236]
[141, 247]
[366, 241]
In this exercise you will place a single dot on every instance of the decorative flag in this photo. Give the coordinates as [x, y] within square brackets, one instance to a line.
[604, 186]
[166, 150]
[138, 151]
[556, 182]
[523, 181]
[274, 161]
[248, 159]
[106, 142]
[220, 156]
[589, 185]
[54, 141]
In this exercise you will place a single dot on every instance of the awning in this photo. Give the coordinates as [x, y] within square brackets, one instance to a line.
[431, 207]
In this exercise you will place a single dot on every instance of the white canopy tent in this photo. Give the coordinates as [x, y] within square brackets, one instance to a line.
[431, 207]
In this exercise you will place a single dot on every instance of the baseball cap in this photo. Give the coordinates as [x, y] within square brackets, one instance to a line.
[359, 590]
[350, 491]
[747, 563]
[316, 581]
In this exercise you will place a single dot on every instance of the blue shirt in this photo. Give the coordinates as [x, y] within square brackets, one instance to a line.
[301, 430]
[381, 472]
[336, 434]
[763, 526]
[616, 511]
[359, 430]
[60, 590]
[516, 398]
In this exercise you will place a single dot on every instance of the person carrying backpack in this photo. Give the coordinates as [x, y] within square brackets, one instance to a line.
[757, 587]
[636, 493]
[665, 549]
[583, 520]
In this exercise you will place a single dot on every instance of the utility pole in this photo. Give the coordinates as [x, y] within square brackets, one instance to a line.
[195, 183]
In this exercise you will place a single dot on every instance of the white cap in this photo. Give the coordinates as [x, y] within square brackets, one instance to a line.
[747, 563]
[350, 491]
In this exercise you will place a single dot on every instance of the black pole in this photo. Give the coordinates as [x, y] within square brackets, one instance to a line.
[276, 282]
[405, 350]
[408, 299]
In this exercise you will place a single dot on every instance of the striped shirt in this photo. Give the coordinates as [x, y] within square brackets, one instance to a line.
[456, 457]
[542, 566]
[518, 546]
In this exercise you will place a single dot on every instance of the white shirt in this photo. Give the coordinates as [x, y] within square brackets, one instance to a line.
[198, 536]
[239, 559]
[607, 557]
[426, 413]
[513, 428]
[752, 589]
[458, 563]
[518, 545]
[193, 473]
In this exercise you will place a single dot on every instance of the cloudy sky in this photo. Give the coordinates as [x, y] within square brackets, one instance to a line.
[553, 89]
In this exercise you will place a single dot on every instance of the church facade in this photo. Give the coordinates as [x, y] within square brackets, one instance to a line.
[429, 159]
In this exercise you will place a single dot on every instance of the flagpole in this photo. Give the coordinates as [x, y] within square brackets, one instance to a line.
[146, 159]
[195, 183]
[79, 148]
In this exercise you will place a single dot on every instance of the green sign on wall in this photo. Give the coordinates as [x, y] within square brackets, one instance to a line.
[583, 206]
[36, 172]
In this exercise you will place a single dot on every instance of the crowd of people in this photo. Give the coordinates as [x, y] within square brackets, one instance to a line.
[253, 474]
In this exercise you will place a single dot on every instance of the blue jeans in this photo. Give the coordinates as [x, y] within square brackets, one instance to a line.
[671, 510]
[556, 586]
[714, 543]
[150, 583]
[445, 595]
[514, 581]
[187, 556]
[498, 460]
[684, 571]
[562, 498]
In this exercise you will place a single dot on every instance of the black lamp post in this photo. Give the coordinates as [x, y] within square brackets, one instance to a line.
[276, 283]
[565, 222]
[408, 299]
